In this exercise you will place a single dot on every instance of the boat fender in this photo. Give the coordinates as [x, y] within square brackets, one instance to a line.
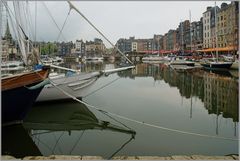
[38, 66]
[41, 84]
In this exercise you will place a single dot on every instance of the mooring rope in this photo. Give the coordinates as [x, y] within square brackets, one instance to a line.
[142, 122]
[107, 84]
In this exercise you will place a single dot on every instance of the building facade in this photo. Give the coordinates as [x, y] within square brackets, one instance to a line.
[209, 27]
[197, 35]
[206, 28]
[64, 48]
[80, 47]
[125, 45]
[227, 22]
[183, 39]
[134, 46]
[171, 40]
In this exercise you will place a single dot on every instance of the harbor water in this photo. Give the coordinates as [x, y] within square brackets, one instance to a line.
[156, 102]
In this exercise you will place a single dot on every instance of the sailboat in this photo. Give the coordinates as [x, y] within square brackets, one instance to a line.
[20, 91]
[215, 64]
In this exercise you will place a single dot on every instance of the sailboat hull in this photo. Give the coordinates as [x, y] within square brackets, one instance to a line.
[17, 102]
[217, 66]
[19, 93]
[77, 85]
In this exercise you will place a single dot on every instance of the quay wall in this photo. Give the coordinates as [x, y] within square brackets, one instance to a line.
[175, 157]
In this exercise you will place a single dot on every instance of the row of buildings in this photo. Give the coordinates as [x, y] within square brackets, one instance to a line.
[218, 27]
[79, 48]
[11, 50]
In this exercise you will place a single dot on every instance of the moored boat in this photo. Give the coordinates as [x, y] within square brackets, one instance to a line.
[235, 64]
[19, 92]
[76, 84]
[182, 62]
[216, 65]
[12, 66]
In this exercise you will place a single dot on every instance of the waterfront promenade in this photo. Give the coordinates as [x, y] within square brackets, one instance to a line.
[175, 157]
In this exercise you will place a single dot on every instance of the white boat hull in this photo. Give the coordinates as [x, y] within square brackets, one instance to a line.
[77, 85]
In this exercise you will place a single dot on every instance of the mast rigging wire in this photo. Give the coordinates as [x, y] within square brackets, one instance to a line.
[63, 25]
[53, 19]
[114, 47]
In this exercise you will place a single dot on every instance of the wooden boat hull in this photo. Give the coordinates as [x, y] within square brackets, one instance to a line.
[19, 94]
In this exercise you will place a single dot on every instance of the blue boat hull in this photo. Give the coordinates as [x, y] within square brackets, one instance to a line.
[17, 102]
[216, 66]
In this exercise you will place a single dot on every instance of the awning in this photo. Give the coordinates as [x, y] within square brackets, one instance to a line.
[230, 48]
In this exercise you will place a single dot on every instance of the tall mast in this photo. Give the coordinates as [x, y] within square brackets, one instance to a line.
[190, 30]
[182, 36]
[216, 41]
[1, 24]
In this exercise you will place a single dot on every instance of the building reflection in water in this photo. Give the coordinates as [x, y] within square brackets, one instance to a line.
[218, 92]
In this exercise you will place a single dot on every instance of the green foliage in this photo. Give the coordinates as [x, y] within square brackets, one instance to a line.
[48, 49]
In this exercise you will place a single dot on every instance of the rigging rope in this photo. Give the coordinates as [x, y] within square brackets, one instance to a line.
[107, 84]
[142, 122]
[63, 25]
[114, 47]
[35, 25]
[128, 141]
[53, 19]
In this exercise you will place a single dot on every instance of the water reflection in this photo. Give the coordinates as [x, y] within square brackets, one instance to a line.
[218, 91]
[87, 66]
[58, 128]
[17, 142]
[70, 128]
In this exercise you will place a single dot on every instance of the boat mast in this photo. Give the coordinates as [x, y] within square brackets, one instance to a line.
[1, 24]
[190, 31]
[216, 45]
[182, 36]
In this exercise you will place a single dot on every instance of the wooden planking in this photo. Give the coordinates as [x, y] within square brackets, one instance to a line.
[24, 79]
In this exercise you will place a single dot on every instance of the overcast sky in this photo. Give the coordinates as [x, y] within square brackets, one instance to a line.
[116, 20]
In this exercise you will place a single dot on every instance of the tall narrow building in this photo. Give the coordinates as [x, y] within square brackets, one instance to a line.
[228, 18]
[209, 27]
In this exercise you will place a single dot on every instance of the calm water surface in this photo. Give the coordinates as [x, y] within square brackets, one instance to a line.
[200, 102]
